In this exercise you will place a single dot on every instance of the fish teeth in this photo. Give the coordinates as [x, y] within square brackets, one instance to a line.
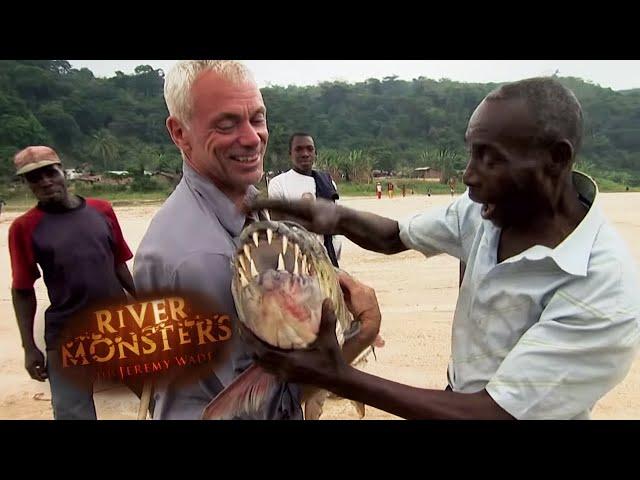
[284, 244]
[296, 253]
[243, 279]
[254, 270]
[241, 260]
[266, 214]
[281, 262]
[247, 252]
[255, 239]
[304, 265]
[269, 235]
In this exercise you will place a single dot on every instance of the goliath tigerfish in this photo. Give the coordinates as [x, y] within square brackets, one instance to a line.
[281, 276]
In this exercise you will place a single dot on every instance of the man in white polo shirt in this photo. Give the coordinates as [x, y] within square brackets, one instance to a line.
[303, 182]
[547, 319]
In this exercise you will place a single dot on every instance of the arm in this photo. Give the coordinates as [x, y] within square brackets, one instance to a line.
[416, 403]
[25, 273]
[362, 302]
[25, 305]
[126, 280]
[368, 230]
[323, 365]
[411, 402]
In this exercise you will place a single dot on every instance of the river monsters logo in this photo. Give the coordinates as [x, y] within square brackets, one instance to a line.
[147, 338]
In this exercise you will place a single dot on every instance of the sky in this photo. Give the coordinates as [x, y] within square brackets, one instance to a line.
[614, 74]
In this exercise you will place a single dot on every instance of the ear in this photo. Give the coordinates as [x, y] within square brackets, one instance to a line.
[179, 135]
[561, 155]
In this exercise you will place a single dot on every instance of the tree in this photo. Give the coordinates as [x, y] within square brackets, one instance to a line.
[389, 120]
[105, 147]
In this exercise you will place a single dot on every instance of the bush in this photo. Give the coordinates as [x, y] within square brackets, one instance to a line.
[142, 183]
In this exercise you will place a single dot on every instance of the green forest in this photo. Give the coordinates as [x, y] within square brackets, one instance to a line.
[118, 123]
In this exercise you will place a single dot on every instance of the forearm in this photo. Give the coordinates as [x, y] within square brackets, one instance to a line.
[411, 402]
[126, 280]
[370, 231]
[25, 305]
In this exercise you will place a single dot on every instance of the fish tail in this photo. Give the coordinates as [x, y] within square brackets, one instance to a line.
[244, 397]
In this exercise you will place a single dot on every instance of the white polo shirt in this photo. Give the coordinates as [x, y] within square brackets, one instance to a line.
[292, 185]
[547, 332]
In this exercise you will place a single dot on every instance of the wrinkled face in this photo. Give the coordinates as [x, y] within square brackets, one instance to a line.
[506, 170]
[47, 184]
[280, 282]
[303, 153]
[227, 135]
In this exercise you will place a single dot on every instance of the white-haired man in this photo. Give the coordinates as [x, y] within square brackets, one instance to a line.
[217, 118]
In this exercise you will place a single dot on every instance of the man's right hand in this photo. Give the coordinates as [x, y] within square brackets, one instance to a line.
[34, 363]
[320, 216]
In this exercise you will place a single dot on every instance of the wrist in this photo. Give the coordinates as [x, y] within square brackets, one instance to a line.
[29, 346]
[368, 332]
[342, 379]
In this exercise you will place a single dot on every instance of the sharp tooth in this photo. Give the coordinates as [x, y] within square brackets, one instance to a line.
[243, 279]
[296, 253]
[304, 265]
[269, 235]
[281, 262]
[241, 260]
[254, 270]
[247, 252]
[255, 238]
[284, 245]
[267, 215]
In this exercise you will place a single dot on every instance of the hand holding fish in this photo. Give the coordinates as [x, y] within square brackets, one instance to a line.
[322, 362]
[320, 216]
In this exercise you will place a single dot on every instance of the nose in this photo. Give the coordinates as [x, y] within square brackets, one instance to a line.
[45, 181]
[470, 176]
[250, 136]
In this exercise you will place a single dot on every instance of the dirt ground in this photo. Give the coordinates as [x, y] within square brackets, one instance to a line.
[417, 298]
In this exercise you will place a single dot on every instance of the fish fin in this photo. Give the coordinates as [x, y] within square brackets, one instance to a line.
[359, 407]
[362, 359]
[242, 398]
[313, 406]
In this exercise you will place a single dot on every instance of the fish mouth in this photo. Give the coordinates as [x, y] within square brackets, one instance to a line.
[276, 283]
[274, 246]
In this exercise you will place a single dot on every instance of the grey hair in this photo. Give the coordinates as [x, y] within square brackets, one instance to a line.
[555, 108]
[179, 82]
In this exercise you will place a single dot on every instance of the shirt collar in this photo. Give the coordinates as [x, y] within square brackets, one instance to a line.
[216, 201]
[574, 252]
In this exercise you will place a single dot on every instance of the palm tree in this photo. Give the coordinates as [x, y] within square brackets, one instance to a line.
[359, 166]
[105, 146]
[444, 158]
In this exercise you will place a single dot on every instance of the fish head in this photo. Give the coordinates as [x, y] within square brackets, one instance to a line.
[281, 276]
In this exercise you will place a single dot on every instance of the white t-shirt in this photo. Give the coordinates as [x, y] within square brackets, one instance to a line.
[547, 332]
[292, 185]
